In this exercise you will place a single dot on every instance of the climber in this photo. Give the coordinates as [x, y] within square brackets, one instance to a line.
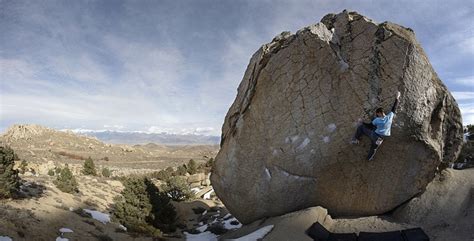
[377, 130]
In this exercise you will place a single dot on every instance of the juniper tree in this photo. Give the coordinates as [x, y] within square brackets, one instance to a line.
[143, 208]
[106, 172]
[177, 189]
[181, 171]
[9, 180]
[192, 167]
[66, 182]
[89, 167]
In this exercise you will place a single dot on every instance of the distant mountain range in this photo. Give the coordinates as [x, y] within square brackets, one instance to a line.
[132, 138]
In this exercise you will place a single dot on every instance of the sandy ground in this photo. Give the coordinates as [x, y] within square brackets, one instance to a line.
[47, 209]
[445, 211]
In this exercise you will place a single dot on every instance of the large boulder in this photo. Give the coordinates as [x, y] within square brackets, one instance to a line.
[285, 139]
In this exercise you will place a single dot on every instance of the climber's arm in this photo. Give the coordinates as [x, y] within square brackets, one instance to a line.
[395, 105]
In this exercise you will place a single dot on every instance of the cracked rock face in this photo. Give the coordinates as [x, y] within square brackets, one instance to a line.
[285, 140]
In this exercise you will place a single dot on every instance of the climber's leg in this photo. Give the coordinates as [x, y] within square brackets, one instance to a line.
[363, 129]
[375, 142]
[372, 151]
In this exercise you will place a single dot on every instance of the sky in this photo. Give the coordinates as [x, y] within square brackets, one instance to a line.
[174, 66]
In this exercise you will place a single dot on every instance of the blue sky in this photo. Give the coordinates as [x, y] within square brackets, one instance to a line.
[175, 65]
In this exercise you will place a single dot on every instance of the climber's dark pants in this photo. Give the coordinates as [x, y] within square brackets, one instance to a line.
[368, 130]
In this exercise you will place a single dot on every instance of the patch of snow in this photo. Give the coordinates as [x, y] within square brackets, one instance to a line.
[99, 216]
[65, 230]
[268, 173]
[202, 228]
[287, 140]
[227, 224]
[256, 235]
[304, 144]
[5, 238]
[275, 152]
[227, 216]
[60, 239]
[326, 139]
[204, 213]
[331, 127]
[206, 236]
[312, 151]
[195, 190]
[207, 196]
[122, 227]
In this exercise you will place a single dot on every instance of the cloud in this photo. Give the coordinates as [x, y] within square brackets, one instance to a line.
[467, 111]
[467, 80]
[207, 131]
[463, 95]
[175, 66]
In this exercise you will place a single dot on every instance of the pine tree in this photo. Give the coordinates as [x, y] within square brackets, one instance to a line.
[89, 167]
[66, 182]
[210, 162]
[180, 171]
[142, 208]
[191, 167]
[106, 172]
[9, 180]
[177, 189]
[163, 213]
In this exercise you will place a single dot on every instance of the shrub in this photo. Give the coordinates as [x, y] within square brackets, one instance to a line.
[23, 166]
[66, 182]
[181, 171]
[106, 158]
[191, 167]
[57, 170]
[170, 170]
[106, 172]
[51, 172]
[9, 180]
[142, 208]
[467, 154]
[162, 175]
[470, 129]
[210, 162]
[177, 189]
[89, 167]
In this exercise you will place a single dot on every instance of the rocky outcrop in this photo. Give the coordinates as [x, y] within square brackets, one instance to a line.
[285, 139]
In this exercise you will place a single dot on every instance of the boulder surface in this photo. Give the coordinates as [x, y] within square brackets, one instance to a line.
[285, 139]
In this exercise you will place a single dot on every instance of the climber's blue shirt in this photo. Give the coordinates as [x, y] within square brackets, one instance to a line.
[383, 124]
